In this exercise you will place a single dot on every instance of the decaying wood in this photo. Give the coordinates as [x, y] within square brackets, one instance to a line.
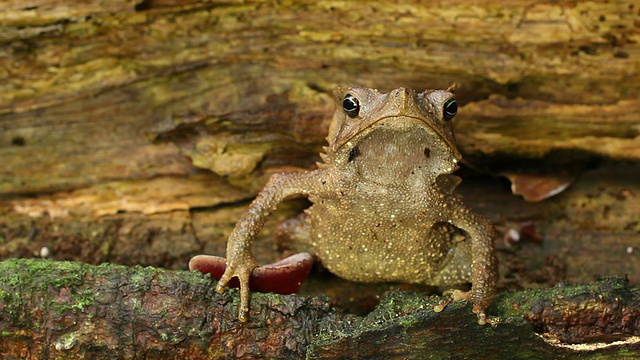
[73, 310]
[85, 88]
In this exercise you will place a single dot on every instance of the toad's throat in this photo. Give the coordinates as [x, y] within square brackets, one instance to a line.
[391, 155]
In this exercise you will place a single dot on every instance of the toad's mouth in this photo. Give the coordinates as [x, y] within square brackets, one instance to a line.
[400, 124]
[400, 148]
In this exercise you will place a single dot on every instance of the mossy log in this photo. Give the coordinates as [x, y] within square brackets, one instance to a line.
[72, 310]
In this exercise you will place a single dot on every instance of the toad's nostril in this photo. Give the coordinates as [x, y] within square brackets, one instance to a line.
[427, 152]
[353, 153]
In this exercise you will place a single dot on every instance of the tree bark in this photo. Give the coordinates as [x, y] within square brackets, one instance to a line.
[72, 310]
[237, 86]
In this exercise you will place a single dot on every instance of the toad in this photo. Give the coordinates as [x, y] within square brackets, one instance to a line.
[383, 203]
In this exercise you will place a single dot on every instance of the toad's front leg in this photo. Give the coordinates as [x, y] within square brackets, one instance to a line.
[240, 260]
[484, 265]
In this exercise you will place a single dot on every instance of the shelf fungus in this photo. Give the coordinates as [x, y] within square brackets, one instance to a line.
[282, 277]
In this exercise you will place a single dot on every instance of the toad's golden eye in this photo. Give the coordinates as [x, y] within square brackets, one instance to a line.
[351, 105]
[450, 109]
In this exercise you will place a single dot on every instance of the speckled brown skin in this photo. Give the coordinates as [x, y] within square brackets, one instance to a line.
[383, 202]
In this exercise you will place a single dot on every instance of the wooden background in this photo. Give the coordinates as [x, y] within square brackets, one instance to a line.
[137, 132]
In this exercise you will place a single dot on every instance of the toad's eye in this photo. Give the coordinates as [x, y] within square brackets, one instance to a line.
[450, 109]
[351, 105]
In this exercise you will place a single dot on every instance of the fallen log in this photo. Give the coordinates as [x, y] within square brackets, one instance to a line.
[51, 309]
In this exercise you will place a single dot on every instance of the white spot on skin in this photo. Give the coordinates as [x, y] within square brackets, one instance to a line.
[630, 250]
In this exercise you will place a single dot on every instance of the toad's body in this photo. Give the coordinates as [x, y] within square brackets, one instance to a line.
[384, 220]
[383, 203]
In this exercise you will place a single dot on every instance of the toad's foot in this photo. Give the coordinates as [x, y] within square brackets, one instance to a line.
[458, 295]
[242, 270]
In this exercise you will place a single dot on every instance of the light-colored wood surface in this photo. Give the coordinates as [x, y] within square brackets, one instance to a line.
[137, 133]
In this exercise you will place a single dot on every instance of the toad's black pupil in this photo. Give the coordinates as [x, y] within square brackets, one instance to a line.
[450, 109]
[351, 105]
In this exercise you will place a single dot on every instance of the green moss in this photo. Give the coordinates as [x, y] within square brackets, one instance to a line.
[66, 341]
[32, 276]
[83, 301]
[139, 279]
[12, 280]
[517, 304]
[397, 309]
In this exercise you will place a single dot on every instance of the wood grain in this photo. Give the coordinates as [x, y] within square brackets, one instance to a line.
[136, 132]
